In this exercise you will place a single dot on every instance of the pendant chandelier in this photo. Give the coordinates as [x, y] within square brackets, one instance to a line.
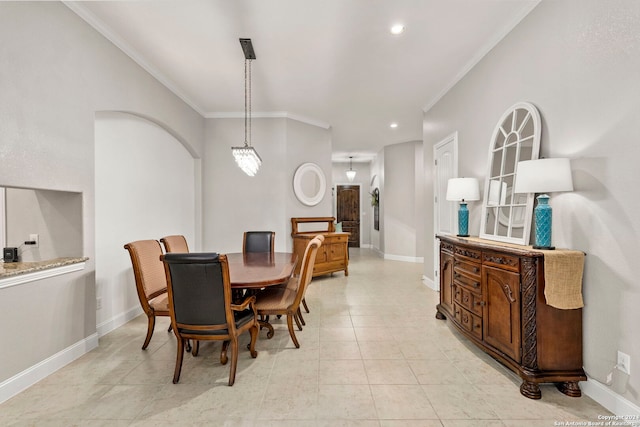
[351, 174]
[247, 157]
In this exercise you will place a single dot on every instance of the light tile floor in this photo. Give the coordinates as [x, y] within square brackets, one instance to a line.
[372, 354]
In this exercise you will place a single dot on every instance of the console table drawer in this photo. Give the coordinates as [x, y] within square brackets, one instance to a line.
[468, 321]
[470, 269]
[503, 261]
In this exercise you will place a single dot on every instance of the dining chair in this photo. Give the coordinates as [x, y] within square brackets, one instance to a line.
[151, 282]
[175, 243]
[293, 284]
[286, 300]
[201, 307]
[258, 241]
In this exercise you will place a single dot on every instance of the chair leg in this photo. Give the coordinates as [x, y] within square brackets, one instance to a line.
[254, 337]
[290, 326]
[176, 372]
[304, 303]
[234, 360]
[295, 317]
[196, 348]
[150, 325]
[267, 325]
[300, 317]
[223, 354]
[171, 327]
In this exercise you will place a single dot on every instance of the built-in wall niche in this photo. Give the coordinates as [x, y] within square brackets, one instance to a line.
[55, 216]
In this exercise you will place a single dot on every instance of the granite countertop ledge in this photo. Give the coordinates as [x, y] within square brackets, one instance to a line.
[9, 269]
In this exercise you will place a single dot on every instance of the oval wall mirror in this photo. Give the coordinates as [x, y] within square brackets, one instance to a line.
[506, 216]
[309, 184]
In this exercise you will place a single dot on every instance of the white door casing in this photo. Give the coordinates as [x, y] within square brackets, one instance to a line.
[445, 154]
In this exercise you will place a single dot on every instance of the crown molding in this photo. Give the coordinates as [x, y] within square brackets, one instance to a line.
[481, 53]
[103, 29]
[270, 115]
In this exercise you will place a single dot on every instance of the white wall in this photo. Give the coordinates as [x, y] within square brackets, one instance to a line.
[145, 185]
[578, 62]
[403, 227]
[234, 202]
[55, 73]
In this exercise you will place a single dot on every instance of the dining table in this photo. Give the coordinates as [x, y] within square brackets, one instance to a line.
[257, 270]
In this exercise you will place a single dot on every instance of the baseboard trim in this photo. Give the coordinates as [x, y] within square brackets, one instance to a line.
[610, 399]
[43, 369]
[403, 258]
[117, 321]
[429, 283]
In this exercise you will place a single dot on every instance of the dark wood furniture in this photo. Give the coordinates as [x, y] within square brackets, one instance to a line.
[333, 255]
[201, 306]
[494, 295]
[257, 270]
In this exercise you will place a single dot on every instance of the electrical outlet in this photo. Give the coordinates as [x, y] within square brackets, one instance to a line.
[34, 238]
[98, 303]
[624, 362]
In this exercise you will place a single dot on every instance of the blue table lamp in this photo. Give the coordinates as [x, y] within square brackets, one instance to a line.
[463, 190]
[543, 176]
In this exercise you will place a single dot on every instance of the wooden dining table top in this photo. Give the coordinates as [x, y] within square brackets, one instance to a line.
[260, 269]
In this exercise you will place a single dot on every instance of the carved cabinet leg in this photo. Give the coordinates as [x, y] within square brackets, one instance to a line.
[440, 316]
[570, 388]
[530, 390]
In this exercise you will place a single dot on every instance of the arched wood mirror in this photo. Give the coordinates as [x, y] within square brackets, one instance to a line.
[309, 184]
[506, 216]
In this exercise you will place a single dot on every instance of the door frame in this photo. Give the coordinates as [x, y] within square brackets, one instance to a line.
[335, 206]
[453, 140]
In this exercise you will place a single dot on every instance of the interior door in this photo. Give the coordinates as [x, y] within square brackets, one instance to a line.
[348, 207]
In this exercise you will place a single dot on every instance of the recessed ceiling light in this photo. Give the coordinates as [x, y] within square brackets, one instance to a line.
[393, 125]
[397, 29]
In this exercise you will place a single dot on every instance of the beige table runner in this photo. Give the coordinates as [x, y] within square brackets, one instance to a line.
[563, 269]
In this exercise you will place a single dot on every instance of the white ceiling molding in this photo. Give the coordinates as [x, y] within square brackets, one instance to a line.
[481, 53]
[270, 115]
[129, 51]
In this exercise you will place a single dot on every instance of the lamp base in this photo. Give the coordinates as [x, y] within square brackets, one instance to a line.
[548, 248]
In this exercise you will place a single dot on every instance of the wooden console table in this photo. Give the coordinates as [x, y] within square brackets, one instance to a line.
[332, 256]
[495, 295]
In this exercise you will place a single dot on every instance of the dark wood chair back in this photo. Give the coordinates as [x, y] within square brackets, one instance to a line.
[258, 241]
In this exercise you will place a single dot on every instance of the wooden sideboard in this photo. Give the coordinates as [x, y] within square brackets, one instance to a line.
[494, 295]
[332, 256]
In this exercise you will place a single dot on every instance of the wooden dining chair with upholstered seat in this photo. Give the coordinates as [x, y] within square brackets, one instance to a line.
[258, 241]
[151, 282]
[201, 308]
[175, 243]
[286, 300]
[293, 284]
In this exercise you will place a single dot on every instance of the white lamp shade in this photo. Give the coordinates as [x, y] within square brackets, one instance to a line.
[543, 176]
[459, 189]
[351, 174]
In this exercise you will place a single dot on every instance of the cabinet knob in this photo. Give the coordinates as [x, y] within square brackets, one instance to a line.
[481, 303]
[476, 284]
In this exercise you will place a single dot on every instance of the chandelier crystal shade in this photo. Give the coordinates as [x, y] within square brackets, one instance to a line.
[247, 157]
[351, 174]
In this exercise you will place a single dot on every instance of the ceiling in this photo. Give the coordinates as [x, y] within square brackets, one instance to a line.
[331, 63]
